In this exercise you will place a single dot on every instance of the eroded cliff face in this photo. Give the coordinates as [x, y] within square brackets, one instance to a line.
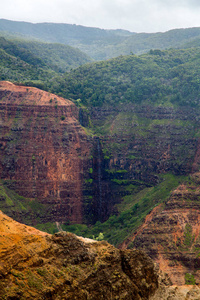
[43, 153]
[65, 174]
[148, 140]
[170, 234]
[36, 265]
[139, 143]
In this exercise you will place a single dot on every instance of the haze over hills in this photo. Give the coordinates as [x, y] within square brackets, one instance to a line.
[97, 43]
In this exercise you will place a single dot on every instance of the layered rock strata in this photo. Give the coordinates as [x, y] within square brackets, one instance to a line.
[170, 234]
[43, 151]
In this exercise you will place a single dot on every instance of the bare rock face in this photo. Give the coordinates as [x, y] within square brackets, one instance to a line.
[43, 150]
[36, 265]
[170, 234]
[167, 291]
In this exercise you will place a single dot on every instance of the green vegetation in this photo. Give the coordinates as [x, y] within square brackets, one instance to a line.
[47, 227]
[132, 212]
[170, 78]
[188, 236]
[102, 44]
[189, 279]
[167, 78]
[11, 204]
[58, 57]
[35, 63]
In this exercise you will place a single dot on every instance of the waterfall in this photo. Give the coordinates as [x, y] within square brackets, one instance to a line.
[99, 177]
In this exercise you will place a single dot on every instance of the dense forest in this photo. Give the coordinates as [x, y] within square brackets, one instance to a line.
[101, 44]
[168, 77]
[160, 77]
[22, 60]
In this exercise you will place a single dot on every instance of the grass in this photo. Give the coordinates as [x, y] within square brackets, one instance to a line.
[189, 279]
[11, 202]
[47, 227]
[5, 196]
[189, 237]
[132, 212]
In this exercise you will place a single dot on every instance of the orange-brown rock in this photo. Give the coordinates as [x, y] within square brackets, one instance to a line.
[43, 151]
[36, 265]
[170, 234]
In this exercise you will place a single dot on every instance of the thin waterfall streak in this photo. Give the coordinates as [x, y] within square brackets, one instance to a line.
[99, 175]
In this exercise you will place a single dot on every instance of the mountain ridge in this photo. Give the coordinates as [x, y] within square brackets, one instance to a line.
[99, 43]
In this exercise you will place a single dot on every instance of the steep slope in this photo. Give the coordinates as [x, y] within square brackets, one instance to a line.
[23, 60]
[60, 58]
[43, 152]
[15, 69]
[165, 78]
[35, 265]
[145, 111]
[145, 117]
[171, 234]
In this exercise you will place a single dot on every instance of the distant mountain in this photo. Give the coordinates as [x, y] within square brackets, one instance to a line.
[73, 35]
[100, 44]
[143, 42]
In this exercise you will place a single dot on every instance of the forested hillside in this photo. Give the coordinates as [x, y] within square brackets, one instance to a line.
[93, 41]
[24, 60]
[168, 77]
[98, 43]
[60, 58]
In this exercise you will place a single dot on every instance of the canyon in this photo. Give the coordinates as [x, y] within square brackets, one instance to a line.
[64, 172]
[62, 164]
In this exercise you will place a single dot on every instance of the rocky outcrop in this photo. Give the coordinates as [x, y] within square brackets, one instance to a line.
[167, 291]
[43, 152]
[170, 234]
[36, 265]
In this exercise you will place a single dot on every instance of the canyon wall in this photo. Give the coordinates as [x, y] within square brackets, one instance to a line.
[58, 171]
[44, 153]
[170, 234]
[139, 143]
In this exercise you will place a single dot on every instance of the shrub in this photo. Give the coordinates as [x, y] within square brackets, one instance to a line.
[189, 279]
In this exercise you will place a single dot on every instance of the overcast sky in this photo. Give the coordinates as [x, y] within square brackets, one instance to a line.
[133, 15]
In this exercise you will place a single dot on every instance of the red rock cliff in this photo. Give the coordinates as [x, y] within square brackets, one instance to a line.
[43, 150]
[170, 234]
